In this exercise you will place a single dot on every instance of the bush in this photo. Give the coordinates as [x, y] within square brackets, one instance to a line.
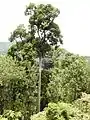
[39, 116]
[18, 90]
[61, 111]
[83, 103]
[11, 115]
[69, 78]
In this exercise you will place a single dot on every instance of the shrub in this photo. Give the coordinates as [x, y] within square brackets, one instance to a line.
[61, 111]
[11, 115]
[39, 116]
[69, 78]
[83, 103]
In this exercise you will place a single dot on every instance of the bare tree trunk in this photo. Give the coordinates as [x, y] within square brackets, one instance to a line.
[39, 84]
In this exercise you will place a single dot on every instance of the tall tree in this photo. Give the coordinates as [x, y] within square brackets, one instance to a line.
[42, 33]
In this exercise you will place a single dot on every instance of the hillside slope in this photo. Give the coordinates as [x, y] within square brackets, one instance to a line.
[4, 47]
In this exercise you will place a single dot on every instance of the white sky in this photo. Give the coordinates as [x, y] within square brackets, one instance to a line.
[74, 21]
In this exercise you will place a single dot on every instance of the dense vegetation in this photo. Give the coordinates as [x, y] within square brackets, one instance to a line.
[38, 79]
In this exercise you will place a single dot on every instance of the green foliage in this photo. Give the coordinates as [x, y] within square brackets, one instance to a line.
[88, 69]
[61, 111]
[45, 77]
[39, 116]
[2, 118]
[69, 77]
[83, 103]
[42, 33]
[11, 115]
[20, 32]
[18, 90]
[42, 23]
[22, 53]
[65, 80]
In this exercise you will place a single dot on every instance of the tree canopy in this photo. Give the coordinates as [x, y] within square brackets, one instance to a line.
[42, 34]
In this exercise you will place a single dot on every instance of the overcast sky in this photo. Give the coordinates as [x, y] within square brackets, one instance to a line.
[74, 21]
